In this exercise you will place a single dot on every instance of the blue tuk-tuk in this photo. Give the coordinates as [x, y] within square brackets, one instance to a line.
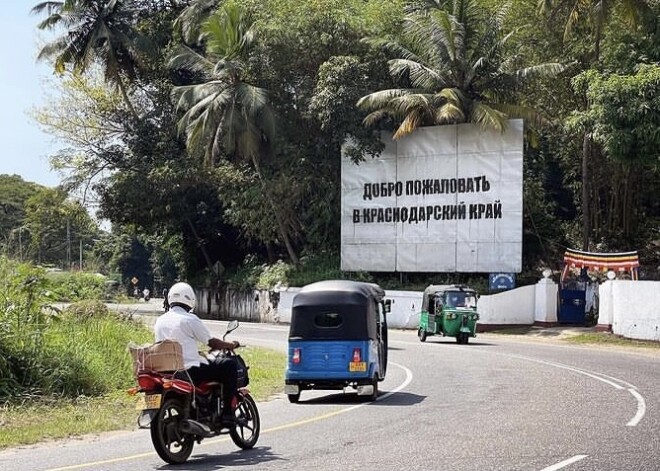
[337, 338]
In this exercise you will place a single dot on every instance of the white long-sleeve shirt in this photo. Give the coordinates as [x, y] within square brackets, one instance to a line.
[187, 329]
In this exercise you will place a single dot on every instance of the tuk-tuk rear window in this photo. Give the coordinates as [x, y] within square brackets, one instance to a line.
[328, 320]
[333, 322]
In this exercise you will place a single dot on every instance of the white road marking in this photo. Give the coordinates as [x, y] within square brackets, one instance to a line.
[641, 408]
[565, 463]
[571, 368]
[641, 403]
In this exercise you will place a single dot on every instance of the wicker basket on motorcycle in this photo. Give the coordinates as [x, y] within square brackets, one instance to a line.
[164, 356]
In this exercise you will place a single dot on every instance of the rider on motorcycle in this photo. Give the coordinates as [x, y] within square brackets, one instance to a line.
[181, 324]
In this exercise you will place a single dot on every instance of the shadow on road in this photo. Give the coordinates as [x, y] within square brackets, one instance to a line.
[396, 399]
[399, 399]
[452, 342]
[213, 461]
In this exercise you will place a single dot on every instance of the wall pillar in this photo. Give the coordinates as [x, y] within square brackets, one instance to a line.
[605, 306]
[545, 302]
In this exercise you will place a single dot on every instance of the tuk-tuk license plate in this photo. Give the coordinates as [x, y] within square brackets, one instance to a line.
[149, 401]
[356, 366]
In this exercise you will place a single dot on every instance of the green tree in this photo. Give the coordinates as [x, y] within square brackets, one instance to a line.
[455, 68]
[58, 227]
[630, 140]
[225, 114]
[14, 193]
[591, 18]
[97, 31]
[83, 116]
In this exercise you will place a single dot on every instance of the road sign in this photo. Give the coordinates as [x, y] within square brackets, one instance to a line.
[134, 280]
[502, 281]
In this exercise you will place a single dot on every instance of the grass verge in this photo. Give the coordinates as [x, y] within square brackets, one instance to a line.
[37, 420]
[605, 338]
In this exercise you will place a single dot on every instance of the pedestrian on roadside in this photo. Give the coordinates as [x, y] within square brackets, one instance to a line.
[166, 303]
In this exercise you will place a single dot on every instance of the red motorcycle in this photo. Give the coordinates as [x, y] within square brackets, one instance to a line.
[180, 413]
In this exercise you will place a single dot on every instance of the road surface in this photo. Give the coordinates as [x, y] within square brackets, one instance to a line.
[497, 403]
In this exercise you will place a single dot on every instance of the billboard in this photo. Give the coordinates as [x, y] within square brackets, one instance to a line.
[443, 199]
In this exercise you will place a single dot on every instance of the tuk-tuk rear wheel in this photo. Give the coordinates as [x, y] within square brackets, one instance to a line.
[294, 398]
[421, 333]
[374, 383]
[462, 338]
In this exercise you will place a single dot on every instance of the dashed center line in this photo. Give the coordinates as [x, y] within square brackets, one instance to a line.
[565, 463]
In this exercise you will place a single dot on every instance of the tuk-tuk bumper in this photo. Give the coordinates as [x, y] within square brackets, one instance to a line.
[330, 365]
[292, 386]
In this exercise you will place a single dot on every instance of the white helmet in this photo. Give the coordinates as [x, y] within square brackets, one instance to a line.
[182, 293]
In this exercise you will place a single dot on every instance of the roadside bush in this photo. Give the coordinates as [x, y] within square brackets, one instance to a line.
[72, 286]
[43, 352]
[86, 309]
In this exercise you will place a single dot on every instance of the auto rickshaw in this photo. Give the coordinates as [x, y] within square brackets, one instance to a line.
[337, 338]
[450, 311]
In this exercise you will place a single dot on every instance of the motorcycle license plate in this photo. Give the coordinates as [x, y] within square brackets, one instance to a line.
[357, 366]
[148, 401]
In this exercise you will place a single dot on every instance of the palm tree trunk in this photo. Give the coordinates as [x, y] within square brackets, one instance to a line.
[122, 89]
[586, 201]
[200, 243]
[627, 203]
[278, 218]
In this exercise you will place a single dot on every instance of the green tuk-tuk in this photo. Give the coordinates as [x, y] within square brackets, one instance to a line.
[450, 311]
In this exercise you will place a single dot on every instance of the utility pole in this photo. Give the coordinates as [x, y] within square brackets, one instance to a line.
[80, 261]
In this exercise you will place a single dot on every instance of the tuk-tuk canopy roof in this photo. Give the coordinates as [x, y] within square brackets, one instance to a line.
[339, 292]
[435, 289]
[355, 302]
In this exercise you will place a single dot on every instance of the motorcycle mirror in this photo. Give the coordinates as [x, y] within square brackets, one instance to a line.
[233, 325]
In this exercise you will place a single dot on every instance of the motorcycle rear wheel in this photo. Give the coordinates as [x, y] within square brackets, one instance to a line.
[246, 432]
[170, 444]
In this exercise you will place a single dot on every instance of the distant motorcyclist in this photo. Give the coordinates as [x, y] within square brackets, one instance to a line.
[181, 324]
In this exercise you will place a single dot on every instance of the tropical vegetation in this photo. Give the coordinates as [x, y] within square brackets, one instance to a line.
[209, 132]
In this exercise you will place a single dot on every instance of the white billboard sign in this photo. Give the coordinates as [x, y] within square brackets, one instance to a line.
[444, 199]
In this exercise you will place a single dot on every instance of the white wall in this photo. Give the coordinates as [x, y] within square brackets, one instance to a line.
[514, 307]
[632, 308]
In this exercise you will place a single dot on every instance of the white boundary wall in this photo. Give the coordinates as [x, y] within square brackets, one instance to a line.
[630, 308]
[627, 308]
[515, 307]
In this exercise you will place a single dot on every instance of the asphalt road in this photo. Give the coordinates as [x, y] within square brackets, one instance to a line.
[495, 404]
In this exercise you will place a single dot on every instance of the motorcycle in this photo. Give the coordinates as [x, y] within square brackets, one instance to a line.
[179, 413]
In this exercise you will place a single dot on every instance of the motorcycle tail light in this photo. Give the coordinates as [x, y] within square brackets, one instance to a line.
[296, 356]
[148, 383]
[357, 355]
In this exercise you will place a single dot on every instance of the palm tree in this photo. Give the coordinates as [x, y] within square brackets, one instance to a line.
[454, 68]
[226, 115]
[97, 31]
[189, 21]
[596, 13]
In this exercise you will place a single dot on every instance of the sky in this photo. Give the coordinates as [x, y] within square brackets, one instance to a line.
[24, 148]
